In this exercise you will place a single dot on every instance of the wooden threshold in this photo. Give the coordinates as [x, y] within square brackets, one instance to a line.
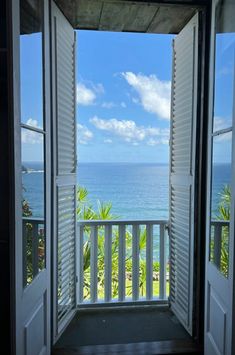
[152, 348]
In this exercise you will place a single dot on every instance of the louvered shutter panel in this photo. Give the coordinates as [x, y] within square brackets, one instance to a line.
[182, 171]
[63, 63]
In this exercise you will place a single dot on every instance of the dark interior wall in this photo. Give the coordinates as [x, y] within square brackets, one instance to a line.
[6, 161]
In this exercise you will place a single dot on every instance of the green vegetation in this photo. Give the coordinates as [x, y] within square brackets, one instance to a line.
[222, 214]
[224, 204]
[31, 231]
[86, 211]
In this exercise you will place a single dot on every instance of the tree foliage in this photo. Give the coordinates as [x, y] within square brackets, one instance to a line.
[103, 211]
[223, 214]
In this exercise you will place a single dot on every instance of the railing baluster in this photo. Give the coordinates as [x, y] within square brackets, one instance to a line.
[162, 276]
[108, 263]
[35, 248]
[25, 238]
[121, 263]
[80, 264]
[107, 228]
[93, 263]
[135, 261]
[149, 261]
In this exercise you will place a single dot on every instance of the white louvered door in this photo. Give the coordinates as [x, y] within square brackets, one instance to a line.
[182, 171]
[63, 68]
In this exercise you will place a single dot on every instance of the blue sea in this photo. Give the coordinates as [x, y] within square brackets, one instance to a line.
[136, 191]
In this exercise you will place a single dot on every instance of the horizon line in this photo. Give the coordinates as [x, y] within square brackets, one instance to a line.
[104, 162]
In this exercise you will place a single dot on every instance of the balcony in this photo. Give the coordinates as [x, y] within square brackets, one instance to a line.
[122, 278]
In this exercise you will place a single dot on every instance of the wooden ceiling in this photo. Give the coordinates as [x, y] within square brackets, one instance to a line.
[129, 16]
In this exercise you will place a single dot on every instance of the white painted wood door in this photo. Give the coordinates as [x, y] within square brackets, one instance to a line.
[220, 227]
[33, 192]
[182, 171]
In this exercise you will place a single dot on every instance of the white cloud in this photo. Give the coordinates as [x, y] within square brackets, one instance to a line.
[32, 122]
[152, 142]
[154, 94]
[98, 88]
[135, 100]
[31, 137]
[86, 96]
[84, 135]
[129, 132]
[109, 104]
[108, 141]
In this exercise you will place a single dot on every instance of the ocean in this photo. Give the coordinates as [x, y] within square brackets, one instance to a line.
[136, 191]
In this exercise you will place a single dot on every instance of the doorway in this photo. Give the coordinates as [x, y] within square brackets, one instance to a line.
[68, 261]
[92, 234]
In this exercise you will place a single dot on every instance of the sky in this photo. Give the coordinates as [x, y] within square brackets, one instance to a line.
[123, 94]
[123, 88]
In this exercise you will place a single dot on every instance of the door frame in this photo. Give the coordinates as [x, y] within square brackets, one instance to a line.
[10, 88]
[210, 110]
[201, 168]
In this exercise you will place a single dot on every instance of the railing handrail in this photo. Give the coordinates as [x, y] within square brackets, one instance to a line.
[117, 222]
[220, 222]
[33, 219]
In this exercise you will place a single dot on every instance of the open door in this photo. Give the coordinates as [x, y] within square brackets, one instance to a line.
[33, 192]
[182, 172]
[64, 168]
[219, 313]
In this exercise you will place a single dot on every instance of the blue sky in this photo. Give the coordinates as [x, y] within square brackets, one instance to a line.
[128, 116]
[123, 96]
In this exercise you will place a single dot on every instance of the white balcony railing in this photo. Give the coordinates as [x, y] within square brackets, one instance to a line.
[117, 261]
[219, 242]
[33, 247]
[122, 261]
